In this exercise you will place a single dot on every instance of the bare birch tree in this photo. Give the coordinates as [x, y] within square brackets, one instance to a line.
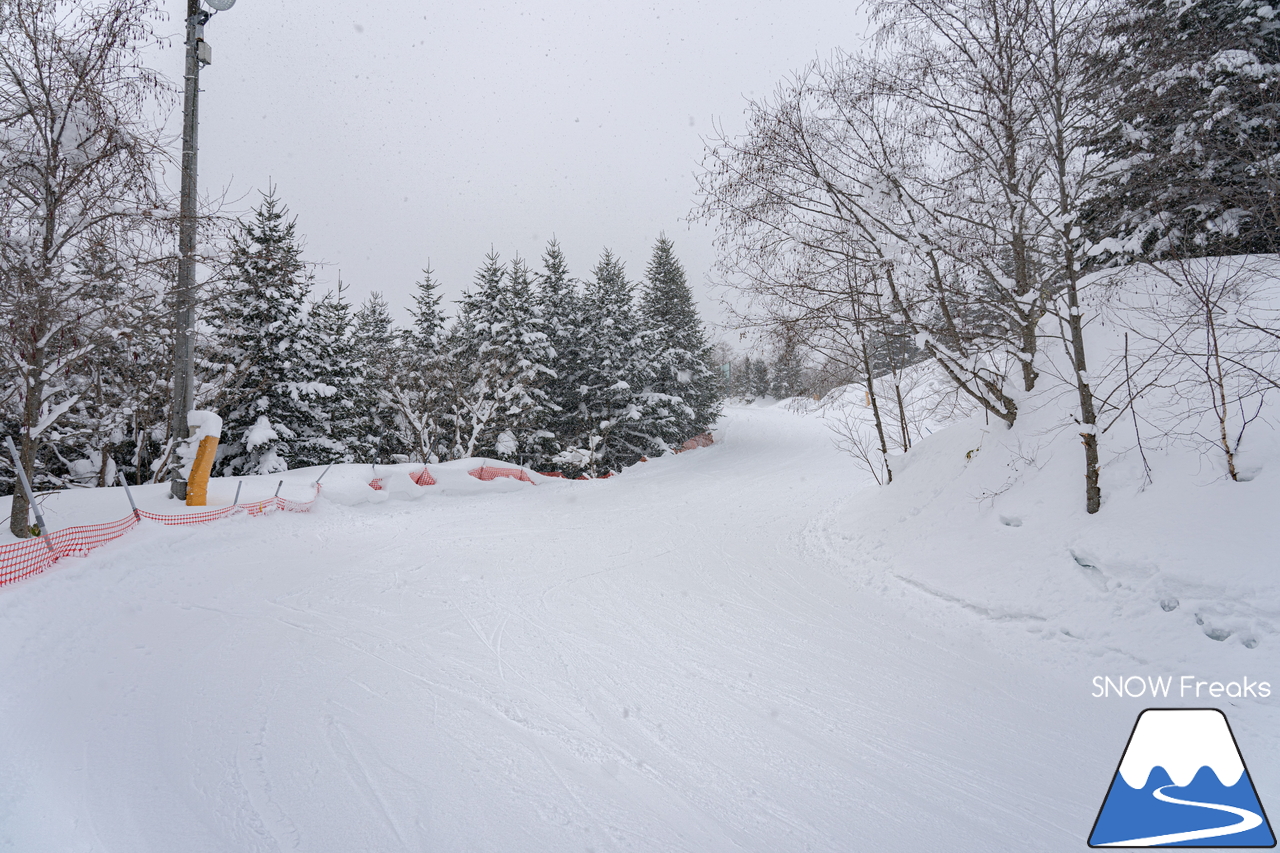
[1206, 347]
[78, 161]
[954, 163]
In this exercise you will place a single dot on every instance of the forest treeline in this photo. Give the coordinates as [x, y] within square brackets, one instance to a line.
[534, 366]
[538, 368]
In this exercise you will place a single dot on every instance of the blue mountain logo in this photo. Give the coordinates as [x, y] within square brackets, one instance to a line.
[1182, 783]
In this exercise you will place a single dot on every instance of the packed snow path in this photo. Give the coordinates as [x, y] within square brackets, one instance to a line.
[673, 659]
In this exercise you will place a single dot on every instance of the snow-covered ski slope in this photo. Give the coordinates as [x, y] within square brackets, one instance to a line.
[744, 647]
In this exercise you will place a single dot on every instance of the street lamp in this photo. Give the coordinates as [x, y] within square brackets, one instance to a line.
[184, 377]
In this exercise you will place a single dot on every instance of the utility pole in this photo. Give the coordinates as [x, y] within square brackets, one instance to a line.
[184, 297]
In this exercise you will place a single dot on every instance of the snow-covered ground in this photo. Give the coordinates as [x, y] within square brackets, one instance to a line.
[744, 647]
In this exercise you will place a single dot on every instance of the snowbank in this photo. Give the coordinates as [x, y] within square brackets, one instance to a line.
[345, 485]
[992, 520]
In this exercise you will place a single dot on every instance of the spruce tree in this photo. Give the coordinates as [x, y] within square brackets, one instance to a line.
[615, 417]
[502, 339]
[377, 439]
[428, 316]
[760, 378]
[742, 381]
[1193, 134]
[259, 341]
[687, 392]
[422, 385]
[788, 373]
[563, 317]
[477, 405]
[722, 364]
[334, 371]
[120, 422]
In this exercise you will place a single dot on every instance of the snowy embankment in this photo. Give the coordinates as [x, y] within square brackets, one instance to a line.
[343, 484]
[994, 522]
[992, 518]
[745, 647]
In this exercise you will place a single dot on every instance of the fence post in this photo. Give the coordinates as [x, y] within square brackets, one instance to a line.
[129, 495]
[26, 487]
[322, 473]
[236, 502]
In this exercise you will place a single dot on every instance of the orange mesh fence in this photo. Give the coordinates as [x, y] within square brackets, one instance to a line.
[295, 506]
[189, 517]
[79, 541]
[485, 473]
[263, 507]
[32, 556]
[697, 441]
[22, 559]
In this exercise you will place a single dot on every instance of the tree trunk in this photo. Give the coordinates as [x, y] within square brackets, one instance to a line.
[1219, 389]
[1088, 411]
[19, 523]
[875, 410]
[1028, 318]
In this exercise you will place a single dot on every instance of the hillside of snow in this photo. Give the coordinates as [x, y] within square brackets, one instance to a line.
[744, 647]
[1179, 552]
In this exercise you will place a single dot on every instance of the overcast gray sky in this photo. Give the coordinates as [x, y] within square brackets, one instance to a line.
[405, 132]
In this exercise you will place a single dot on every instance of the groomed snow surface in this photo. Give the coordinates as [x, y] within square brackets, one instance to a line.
[743, 647]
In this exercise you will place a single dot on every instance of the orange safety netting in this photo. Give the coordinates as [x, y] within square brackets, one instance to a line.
[32, 556]
[704, 440]
[422, 478]
[485, 473]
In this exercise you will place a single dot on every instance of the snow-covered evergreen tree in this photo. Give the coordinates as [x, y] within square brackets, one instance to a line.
[501, 336]
[688, 392]
[742, 378]
[259, 341]
[119, 421]
[760, 378]
[428, 315]
[477, 404]
[562, 311]
[422, 385]
[614, 420]
[377, 439]
[722, 359]
[334, 370]
[1194, 133]
[788, 373]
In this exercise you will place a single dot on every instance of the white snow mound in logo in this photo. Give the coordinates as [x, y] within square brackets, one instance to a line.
[1181, 741]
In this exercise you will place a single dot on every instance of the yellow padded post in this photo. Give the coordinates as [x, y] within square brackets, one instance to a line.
[198, 482]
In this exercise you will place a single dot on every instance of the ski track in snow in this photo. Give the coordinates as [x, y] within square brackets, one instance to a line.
[683, 658]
